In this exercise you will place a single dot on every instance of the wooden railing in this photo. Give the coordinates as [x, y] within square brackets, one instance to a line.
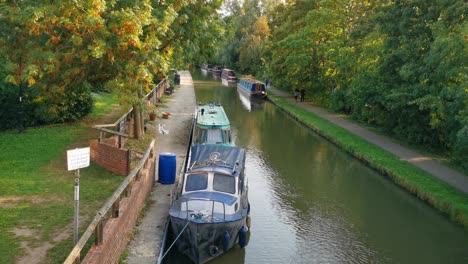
[119, 128]
[111, 206]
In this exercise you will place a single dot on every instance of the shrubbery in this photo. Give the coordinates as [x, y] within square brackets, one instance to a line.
[38, 110]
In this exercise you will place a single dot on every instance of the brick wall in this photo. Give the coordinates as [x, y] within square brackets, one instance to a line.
[112, 158]
[117, 230]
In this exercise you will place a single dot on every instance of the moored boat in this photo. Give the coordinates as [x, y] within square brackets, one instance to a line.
[216, 71]
[211, 125]
[228, 76]
[207, 67]
[252, 87]
[209, 214]
[248, 103]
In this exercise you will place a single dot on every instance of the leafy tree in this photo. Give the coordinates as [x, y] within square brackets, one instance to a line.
[248, 30]
[423, 79]
[251, 49]
[65, 47]
[291, 56]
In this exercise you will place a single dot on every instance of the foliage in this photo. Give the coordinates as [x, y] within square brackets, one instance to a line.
[63, 50]
[399, 65]
[247, 31]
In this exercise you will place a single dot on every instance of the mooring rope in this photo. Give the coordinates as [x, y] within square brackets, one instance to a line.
[183, 229]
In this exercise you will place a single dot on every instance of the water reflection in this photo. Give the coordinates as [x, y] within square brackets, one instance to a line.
[250, 104]
[313, 203]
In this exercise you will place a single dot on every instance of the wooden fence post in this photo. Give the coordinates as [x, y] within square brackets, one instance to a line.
[99, 232]
[115, 208]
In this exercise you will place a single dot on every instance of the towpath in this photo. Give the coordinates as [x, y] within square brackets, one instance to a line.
[426, 163]
[145, 245]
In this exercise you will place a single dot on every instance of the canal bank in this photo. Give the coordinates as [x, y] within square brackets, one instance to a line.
[172, 138]
[432, 182]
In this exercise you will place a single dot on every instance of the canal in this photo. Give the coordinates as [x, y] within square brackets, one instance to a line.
[313, 203]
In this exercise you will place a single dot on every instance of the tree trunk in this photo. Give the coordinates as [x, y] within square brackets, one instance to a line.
[137, 124]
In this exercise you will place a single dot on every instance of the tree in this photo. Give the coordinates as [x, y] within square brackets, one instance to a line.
[64, 47]
[251, 49]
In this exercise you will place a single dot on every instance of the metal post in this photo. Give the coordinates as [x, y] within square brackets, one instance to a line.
[20, 112]
[77, 205]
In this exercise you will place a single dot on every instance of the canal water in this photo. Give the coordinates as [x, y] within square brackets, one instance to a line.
[313, 203]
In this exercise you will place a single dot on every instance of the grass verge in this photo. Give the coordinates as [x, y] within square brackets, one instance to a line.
[36, 190]
[435, 192]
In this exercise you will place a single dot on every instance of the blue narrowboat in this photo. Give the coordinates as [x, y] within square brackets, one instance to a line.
[252, 87]
[209, 212]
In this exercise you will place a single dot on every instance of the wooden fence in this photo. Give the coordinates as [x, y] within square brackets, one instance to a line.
[121, 127]
[111, 207]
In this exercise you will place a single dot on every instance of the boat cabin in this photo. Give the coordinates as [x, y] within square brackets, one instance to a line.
[252, 87]
[229, 75]
[215, 181]
[212, 125]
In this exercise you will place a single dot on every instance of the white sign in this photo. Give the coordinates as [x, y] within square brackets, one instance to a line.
[78, 158]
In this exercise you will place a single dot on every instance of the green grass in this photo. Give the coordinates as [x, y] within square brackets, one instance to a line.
[440, 195]
[103, 103]
[36, 190]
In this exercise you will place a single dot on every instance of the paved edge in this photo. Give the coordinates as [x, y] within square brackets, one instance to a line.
[145, 246]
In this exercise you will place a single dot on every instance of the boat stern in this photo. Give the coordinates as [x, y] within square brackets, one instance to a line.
[202, 242]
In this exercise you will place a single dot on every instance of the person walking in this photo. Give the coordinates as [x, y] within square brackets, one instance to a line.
[296, 94]
[266, 83]
[302, 94]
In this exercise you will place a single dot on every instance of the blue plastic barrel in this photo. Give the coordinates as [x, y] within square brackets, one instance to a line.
[167, 168]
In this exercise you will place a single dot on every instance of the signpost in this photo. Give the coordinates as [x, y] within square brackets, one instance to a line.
[76, 159]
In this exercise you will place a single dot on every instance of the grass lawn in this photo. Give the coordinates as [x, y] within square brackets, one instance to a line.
[445, 198]
[36, 190]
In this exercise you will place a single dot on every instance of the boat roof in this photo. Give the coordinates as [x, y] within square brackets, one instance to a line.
[213, 115]
[229, 158]
[216, 196]
[249, 80]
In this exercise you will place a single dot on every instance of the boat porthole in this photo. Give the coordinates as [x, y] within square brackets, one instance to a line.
[214, 250]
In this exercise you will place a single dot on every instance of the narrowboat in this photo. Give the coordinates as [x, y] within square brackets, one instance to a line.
[252, 87]
[209, 212]
[216, 71]
[228, 76]
[207, 67]
[211, 125]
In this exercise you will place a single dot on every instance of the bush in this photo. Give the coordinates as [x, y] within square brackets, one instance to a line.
[461, 147]
[77, 103]
[9, 106]
[40, 110]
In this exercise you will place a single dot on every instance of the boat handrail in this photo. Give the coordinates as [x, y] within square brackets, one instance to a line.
[187, 199]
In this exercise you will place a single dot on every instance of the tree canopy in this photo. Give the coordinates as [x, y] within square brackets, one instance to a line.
[58, 51]
[399, 65]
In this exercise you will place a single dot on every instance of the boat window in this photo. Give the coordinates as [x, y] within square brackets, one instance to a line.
[226, 136]
[214, 136]
[198, 135]
[196, 182]
[224, 183]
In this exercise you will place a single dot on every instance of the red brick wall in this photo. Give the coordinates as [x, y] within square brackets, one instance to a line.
[112, 158]
[117, 231]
